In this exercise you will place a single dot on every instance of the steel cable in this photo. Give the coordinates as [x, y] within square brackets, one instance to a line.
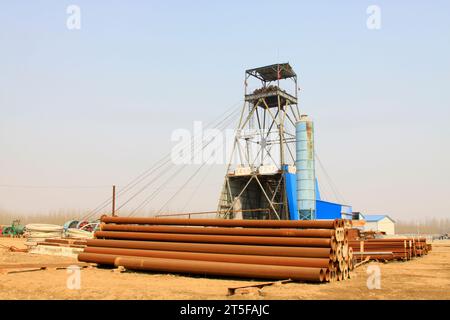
[151, 197]
[141, 177]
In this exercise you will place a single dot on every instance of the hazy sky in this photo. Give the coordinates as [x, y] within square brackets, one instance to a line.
[81, 110]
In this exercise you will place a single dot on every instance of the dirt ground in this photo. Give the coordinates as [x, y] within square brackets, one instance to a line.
[423, 278]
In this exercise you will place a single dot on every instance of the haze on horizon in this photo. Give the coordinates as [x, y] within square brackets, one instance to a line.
[81, 110]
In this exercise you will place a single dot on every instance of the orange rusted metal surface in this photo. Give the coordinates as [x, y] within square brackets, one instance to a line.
[210, 267]
[236, 258]
[312, 233]
[254, 240]
[319, 224]
[214, 248]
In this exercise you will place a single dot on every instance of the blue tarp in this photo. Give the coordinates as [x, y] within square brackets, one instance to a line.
[291, 193]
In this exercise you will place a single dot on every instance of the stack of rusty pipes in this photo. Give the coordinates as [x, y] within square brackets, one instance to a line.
[420, 246]
[71, 243]
[315, 251]
[389, 248]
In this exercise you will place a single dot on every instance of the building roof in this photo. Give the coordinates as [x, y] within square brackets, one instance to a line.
[273, 72]
[376, 217]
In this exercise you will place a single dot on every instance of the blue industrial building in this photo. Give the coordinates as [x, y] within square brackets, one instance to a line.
[323, 209]
[331, 210]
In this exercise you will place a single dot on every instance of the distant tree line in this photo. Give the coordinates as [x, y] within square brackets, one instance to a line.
[53, 217]
[58, 217]
[425, 226]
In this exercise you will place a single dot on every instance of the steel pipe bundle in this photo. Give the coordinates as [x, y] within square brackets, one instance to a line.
[274, 249]
[311, 233]
[311, 224]
[210, 267]
[241, 258]
[390, 248]
[277, 241]
[215, 248]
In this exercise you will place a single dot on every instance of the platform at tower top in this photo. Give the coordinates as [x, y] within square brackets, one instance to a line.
[272, 72]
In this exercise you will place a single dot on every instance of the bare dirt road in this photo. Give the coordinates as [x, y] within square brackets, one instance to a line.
[423, 278]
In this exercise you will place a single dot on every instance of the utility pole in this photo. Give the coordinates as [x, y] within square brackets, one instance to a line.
[114, 201]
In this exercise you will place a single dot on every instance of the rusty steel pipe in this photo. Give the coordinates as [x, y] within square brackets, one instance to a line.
[350, 264]
[339, 275]
[208, 267]
[333, 256]
[319, 224]
[311, 233]
[334, 243]
[345, 274]
[66, 241]
[222, 269]
[333, 276]
[236, 258]
[386, 244]
[341, 265]
[339, 252]
[327, 275]
[376, 241]
[359, 254]
[306, 252]
[173, 237]
[381, 240]
[387, 258]
[380, 249]
[102, 259]
[386, 240]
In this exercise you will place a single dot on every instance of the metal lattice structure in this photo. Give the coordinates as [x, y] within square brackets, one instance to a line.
[264, 146]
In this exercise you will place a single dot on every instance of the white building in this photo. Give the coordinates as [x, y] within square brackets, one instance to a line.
[380, 223]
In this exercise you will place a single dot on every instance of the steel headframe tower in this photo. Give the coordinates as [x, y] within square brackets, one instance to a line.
[264, 147]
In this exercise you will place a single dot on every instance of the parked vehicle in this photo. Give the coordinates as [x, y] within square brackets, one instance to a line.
[15, 229]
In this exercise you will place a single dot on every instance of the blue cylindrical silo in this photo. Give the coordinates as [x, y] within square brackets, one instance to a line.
[306, 191]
